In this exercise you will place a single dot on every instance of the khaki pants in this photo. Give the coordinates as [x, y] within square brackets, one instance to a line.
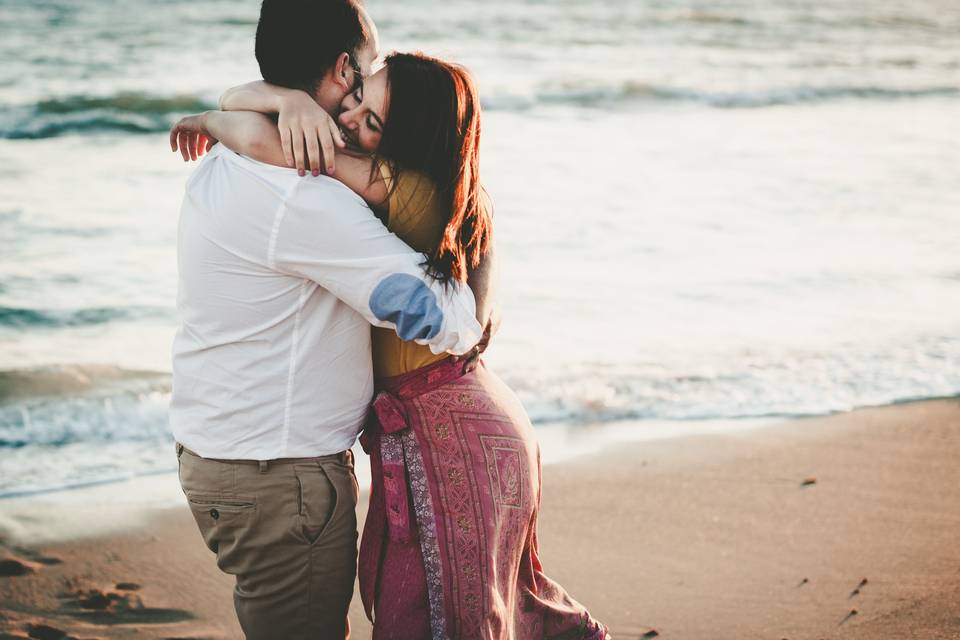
[287, 529]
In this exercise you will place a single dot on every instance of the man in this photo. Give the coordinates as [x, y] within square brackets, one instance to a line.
[279, 277]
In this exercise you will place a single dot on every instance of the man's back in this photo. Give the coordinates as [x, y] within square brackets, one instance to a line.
[268, 363]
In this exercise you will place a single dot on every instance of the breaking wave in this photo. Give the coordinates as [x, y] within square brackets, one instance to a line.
[128, 112]
[139, 113]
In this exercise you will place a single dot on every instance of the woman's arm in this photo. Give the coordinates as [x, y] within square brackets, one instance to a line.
[306, 130]
[254, 135]
[259, 96]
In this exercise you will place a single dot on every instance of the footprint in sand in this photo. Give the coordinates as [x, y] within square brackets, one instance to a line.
[11, 567]
[46, 632]
[39, 631]
[36, 556]
[24, 562]
[109, 607]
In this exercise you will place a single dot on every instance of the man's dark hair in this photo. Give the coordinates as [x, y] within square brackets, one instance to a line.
[299, 40]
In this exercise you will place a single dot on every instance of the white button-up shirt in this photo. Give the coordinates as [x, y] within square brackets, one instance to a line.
[280, 278]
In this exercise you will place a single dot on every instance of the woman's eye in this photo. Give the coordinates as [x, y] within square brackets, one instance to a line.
[372, 124]
[358, 95]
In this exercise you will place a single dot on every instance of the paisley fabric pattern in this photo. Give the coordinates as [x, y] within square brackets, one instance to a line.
[465, 527]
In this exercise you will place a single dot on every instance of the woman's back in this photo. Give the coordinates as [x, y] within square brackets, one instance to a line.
[417, 218]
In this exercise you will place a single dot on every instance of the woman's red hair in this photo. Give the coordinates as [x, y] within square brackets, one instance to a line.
[433, 126]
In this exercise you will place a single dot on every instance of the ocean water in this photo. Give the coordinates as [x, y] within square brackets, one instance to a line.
[705, 211]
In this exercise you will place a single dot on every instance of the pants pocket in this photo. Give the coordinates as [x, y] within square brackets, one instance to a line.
[317, 499]
[222, 519]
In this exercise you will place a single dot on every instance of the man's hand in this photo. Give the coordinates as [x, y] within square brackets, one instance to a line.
[191, 137]
[472, 358]
[302, 122]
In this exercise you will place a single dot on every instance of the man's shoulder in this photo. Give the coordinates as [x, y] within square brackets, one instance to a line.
[323, 191]
[315, 191]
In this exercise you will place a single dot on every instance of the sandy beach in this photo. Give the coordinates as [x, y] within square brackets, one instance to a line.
[837, 527]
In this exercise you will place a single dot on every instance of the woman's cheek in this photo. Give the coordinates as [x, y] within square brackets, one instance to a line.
[370, 141]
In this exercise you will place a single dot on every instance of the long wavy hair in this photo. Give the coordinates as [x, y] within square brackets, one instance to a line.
[433, 127]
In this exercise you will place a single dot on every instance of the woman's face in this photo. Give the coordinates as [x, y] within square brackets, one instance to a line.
[363, 112]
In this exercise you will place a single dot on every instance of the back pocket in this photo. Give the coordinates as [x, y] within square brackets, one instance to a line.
[220, 517]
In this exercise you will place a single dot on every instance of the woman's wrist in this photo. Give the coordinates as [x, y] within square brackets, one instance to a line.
[208, 122]
[293, 100]
[255, 96]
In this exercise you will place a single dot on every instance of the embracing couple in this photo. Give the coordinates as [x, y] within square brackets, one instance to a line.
[277, 371]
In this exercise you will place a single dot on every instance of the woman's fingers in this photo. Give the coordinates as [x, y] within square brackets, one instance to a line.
[309, 137]
[313, 152]
[326, 141]
[285, 142]
[183, 140]
[190, 138]
[297, 143]
[335, 132]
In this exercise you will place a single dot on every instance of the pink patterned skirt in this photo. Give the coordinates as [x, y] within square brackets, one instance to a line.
[449, 548]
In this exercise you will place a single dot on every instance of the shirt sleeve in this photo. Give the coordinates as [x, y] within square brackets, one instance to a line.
[326, 233]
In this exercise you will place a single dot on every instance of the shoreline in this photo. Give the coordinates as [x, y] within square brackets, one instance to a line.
[702, 535]
[560, 443]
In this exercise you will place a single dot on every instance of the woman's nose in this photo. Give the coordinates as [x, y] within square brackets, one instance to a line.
[348, 119]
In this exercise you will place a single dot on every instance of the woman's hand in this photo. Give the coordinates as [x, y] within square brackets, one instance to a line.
[306, 130]
[302, 122]
[191, 136]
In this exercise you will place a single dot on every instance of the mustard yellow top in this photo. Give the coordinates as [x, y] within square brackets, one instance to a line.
[416, 217]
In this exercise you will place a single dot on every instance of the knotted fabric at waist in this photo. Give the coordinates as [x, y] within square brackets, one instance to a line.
[387, 438]
[388, 406]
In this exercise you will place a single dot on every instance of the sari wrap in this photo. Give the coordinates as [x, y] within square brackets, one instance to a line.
[449, 548]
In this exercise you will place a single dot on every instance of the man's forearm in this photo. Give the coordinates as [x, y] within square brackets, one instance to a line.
[483, 282]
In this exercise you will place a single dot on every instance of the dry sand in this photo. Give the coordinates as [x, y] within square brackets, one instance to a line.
[703, 537]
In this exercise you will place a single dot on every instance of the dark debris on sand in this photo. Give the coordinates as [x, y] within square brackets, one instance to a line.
[11, 567]
[46, 632]
[118, 607]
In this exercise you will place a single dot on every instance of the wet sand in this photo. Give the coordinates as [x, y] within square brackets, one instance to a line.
[775, 533]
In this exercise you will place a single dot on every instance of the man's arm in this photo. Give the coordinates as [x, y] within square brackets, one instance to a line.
[327, 234]
[483, 282]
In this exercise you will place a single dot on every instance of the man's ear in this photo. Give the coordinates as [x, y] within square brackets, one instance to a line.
[343, 73]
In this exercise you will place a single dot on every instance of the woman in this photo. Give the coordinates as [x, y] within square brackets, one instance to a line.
[449, 548]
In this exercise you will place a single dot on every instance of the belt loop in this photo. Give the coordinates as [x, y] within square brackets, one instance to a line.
[264, 466]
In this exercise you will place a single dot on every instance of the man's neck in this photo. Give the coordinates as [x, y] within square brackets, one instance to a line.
[328, 96]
